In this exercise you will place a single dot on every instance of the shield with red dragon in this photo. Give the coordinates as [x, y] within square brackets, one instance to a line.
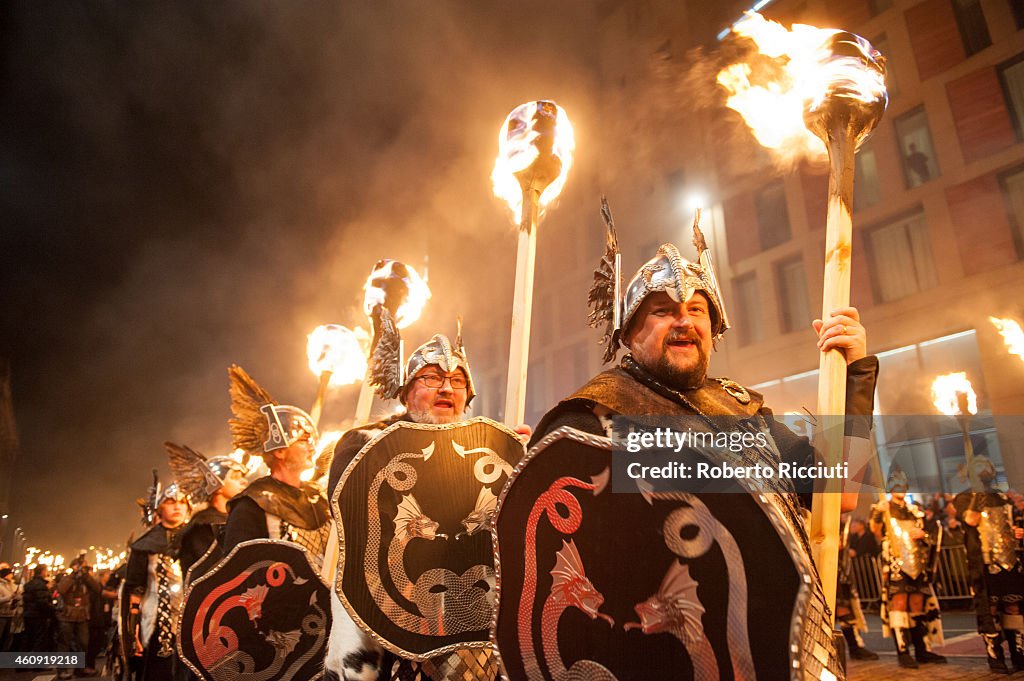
[261, 613]
[417, 503]
[654, 584]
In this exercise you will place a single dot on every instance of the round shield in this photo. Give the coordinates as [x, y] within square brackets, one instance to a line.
[206, 562]
[416, 504]
[262, 612]
[647, 583]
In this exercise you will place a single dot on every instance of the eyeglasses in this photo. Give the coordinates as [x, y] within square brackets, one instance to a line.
[457, 381]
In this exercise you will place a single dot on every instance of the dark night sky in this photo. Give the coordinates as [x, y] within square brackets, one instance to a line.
[187, 185]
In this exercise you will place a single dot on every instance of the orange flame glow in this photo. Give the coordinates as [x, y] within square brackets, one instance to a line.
[517, 150]
[411, 307]
[336, 349]
[1012, 334]
[946, 391]
[793, 73]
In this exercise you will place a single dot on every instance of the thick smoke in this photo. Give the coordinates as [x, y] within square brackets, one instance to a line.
[188, 185]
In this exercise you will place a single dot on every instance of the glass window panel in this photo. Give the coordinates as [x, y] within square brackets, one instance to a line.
[1012, 76]
[1013, 191]
[794, 304]
[916, 150]
[772, 215]
[973, 29]
[866, 188]
[901, 259]
[748, 318]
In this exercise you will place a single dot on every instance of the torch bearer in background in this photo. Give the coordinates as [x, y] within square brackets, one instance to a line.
[953, 395]
[337, 358]
[394, 298]
[830, 85]
[535, 147]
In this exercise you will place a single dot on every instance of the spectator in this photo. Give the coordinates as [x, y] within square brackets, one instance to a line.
[38, 612]
[76, 590]
[8, 605]
[861, 542]
[100, 619]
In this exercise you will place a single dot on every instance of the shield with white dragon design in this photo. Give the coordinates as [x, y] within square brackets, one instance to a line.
[262, 613]
[653, 584]
[417, 503]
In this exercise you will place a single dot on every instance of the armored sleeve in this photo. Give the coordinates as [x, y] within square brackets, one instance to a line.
[246, 521]
[576, 414]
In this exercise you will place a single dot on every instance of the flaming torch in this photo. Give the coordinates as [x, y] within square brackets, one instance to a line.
[953, 395]
[535, 146]
[1012, 335]
[400, 290]
[336, 357]
[830, 85]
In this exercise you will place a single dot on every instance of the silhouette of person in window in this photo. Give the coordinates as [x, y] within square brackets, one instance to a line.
[917, 162]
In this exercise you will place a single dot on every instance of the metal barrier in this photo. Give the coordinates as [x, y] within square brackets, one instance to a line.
[952, 581]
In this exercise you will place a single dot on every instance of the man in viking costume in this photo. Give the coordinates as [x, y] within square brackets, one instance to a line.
[152, 586]
[210, 484]
[668, 320]
[910, 546]
[280, 505]
[992, 536]
[437, 388]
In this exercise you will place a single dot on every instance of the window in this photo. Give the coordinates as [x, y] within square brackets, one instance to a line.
[866, 188]
[1013, 193]
[1011, 74]
[794, 306]
[772, 216]
[747, 320]
[892, 86]
[915, 140]
[1018, 13]
[901, 258]
[973, 29]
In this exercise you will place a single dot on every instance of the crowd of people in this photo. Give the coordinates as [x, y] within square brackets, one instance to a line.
[66, 611]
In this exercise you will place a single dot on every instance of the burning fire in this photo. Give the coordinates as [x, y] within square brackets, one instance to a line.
[398, 287]
[530, 130]
[798, 74]
[336, 349]
[1012, 334]
[947, 391]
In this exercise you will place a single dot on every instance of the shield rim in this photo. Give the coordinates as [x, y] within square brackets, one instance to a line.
[206, 554]
[123, 610]
[340, 528]
[801, 604]
[188, 592]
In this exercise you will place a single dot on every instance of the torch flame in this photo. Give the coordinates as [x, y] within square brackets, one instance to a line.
[391, 278]
[520, 143]
[1012, 335]
[796, 73]
[336, 349]
[946, 391]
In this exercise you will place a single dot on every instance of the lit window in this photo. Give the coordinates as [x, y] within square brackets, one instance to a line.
[973, 29]
[916, 150]
[1012, 76]
[772, 216]
[794, 305]
[901, 258]
[746, 321]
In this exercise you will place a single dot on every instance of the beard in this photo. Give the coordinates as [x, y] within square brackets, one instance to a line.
[428, 416]
[675, 377]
